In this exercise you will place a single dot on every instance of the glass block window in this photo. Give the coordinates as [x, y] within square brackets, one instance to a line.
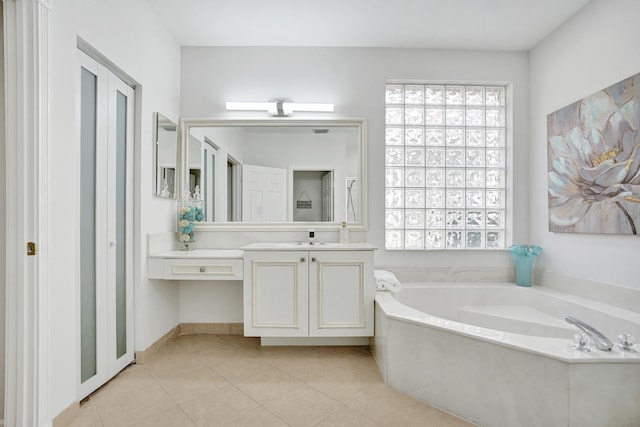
[445, 177]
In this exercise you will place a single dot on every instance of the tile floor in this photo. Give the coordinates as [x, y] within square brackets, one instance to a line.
[229, 380]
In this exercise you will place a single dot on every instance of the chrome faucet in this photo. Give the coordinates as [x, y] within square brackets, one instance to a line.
[602, 343]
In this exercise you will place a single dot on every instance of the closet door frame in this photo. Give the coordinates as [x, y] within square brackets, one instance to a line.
[107, 364]
[27, 94]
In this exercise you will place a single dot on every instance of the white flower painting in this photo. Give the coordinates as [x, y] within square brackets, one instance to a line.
[594, 162]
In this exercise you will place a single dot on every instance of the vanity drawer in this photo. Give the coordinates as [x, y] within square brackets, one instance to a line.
[201, 269]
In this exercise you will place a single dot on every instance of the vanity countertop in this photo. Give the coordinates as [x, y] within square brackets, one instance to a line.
[200, 253]
[305, 246]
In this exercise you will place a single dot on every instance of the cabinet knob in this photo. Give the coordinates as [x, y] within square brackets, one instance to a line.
[313, 259]
[202, 269]
[303, 259]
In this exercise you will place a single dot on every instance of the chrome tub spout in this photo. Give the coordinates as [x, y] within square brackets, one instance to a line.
[602, 343]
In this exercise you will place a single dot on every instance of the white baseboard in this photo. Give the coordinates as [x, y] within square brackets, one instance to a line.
[311, 341]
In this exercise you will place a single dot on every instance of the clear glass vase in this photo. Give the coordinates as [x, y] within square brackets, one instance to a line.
[190, 211]
[524, 257]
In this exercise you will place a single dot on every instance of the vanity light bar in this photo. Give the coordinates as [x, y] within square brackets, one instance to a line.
[280, 108]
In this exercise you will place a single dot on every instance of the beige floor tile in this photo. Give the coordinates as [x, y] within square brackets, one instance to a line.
[247, 343]
[213, 356]
[183, 387]
[128, 406]
[240, 367]
[88, 416]
[344, 384]
[304, 369]
[219, 407]
[205, 380]
[172, 418]
[178, 363]
[198, 342]
[170, 347]
[347, 418]
[392, 408]
[257, 418]
[130, 381]
[304, 406]
[268, 384]
[340, 391]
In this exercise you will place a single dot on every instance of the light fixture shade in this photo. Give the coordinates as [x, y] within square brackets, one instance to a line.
[280, 108]
[249, 106]
[311, 107]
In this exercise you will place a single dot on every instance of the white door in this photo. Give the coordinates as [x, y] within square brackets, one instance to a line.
[327, 197]
[106, 117]
[264, 194]
[208, 190]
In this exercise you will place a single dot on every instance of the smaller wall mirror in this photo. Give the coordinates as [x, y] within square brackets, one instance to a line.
[165, 155]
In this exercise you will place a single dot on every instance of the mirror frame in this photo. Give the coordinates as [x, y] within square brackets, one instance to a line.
[359, 123]
[156, 122]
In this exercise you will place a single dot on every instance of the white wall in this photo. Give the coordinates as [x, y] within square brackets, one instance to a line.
[596, 48]
[354, 79]
[3, 270]
[127, 34]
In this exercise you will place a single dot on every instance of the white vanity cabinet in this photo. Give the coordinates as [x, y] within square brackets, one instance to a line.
[313, 291]
[199, 264]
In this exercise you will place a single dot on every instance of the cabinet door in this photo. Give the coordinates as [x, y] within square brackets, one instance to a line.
[276, 293]
[341, 293]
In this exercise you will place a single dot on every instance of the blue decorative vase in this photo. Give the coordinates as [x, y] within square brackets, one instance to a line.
[524, 257]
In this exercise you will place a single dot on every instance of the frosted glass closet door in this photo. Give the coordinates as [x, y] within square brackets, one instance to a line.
[106, 190]
[88, 344]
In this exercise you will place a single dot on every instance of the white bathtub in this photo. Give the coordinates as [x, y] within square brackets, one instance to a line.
[501, 355]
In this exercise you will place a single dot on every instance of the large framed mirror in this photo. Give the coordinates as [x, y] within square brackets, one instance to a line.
[286, 173]
[165, 156]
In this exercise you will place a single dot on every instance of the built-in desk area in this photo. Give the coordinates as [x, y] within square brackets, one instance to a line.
[197, 264]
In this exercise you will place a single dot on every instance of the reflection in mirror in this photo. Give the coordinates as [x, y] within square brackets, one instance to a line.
[352, 193]
[165, 155]
[276, 171]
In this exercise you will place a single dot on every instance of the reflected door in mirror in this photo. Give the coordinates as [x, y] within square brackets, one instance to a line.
[165, 156]
[264, 194]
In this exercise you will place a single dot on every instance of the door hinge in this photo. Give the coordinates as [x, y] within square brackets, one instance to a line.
[31, 248]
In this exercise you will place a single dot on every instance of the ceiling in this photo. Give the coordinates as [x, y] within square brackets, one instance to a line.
[516, 25]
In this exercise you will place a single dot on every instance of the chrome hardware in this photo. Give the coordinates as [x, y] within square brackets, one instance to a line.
[627, 343]
[601, 342]
[580, 342]
[202, 269]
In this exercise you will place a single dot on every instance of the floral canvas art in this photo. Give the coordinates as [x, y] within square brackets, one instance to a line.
[594, 162]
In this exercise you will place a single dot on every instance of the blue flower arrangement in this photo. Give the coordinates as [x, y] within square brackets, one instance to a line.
[190, 210]
[187, 216]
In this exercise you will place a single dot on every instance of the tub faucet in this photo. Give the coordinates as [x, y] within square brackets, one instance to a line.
[602, 343]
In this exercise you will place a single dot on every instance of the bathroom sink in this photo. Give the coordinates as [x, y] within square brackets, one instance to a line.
[314, 244]
[295, 245]
[306, 246]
